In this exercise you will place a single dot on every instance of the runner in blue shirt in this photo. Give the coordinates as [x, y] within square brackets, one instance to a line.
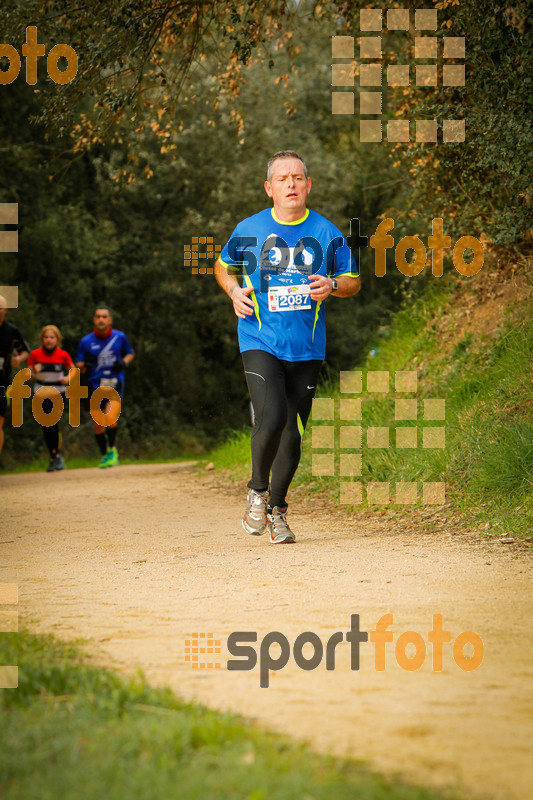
[291, 259]
[105, 353]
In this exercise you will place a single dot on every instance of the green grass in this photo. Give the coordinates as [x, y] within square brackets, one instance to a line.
[234, 453]
[74, 731]
[83, 462]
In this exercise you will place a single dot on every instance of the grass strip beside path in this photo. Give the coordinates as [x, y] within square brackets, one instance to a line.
[72, 731]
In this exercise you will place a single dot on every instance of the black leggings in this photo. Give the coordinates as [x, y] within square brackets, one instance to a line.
[52, 437]
[281, 391]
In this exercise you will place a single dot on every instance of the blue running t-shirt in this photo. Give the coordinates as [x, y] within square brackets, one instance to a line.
[277, 259]
[101, 356]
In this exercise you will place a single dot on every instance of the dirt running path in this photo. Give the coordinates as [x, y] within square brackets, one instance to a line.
[137, 558]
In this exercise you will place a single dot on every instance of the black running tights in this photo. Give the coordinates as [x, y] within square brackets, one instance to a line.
[281, 392]
[51, 432]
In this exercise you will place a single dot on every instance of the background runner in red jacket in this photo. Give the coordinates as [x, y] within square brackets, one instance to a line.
[50, 366]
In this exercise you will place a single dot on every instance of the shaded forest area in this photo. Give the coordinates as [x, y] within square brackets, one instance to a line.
[164, 135]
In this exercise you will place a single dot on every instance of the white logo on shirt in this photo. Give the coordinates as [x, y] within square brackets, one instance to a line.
[305, 259]
[106, 357]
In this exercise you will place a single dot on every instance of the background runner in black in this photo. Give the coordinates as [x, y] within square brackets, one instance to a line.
[281, 391]
[11, 340]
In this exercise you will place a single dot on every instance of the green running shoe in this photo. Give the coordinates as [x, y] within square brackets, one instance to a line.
[103, 461]
[112, 457]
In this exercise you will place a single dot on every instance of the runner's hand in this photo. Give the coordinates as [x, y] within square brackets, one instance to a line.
[36, 367]
[321, 287]
[242, 304]
[119, 365]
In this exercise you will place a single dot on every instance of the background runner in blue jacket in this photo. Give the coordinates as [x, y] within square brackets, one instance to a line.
[105, 353]
[291, 259]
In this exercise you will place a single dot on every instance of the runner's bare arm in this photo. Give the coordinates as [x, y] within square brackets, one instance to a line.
[242, 304]
[19, 358]
[321, 286]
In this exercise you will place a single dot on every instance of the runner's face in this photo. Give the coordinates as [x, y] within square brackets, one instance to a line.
[288, 186]
[102, 320]
[49, 340]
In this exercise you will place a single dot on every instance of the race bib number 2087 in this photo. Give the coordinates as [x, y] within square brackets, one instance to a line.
[289, 298]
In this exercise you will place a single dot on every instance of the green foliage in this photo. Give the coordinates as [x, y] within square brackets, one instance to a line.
[483, 185]
[110, 226]
[487, 463]
[506, 460]
[135, 58]
[492, 459]
[144, 151]
[234, 452]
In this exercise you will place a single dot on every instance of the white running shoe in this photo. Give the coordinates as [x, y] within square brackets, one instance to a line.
[255, 516]
[278, 527]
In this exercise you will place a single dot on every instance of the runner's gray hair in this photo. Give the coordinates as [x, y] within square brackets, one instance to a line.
[283, 154]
